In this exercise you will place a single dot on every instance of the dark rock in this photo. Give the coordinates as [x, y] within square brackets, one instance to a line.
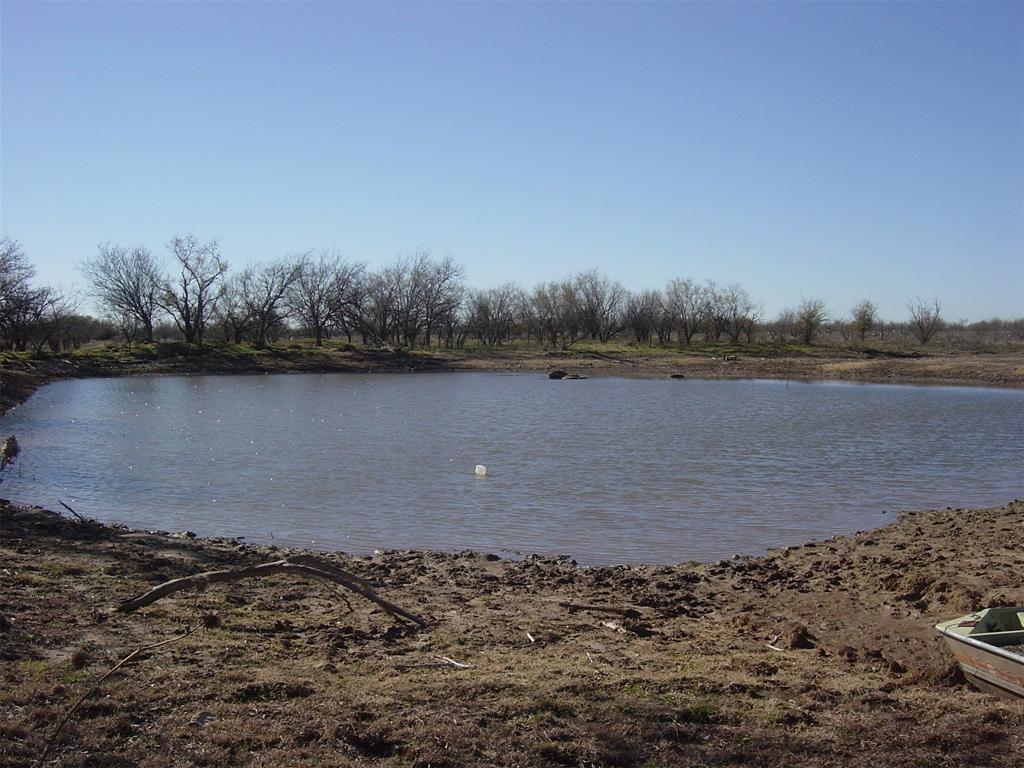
[557, 375]
[677, 376]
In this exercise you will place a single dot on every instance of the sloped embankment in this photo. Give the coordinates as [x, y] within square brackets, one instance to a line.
[814, 655]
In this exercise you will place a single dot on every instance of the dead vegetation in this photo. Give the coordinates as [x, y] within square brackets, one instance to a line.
[534, 662]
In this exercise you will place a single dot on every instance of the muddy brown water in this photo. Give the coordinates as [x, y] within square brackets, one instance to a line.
[606, 470]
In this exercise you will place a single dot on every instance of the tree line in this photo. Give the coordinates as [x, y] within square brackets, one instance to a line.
[418, 300]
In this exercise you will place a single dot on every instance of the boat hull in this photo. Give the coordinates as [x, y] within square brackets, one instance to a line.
[989, 667]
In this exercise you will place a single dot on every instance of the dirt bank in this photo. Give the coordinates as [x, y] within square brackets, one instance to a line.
[1004, 370]
[292, 675]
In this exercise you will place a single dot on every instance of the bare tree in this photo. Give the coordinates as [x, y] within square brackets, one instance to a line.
[713, 321]
[15, 275]
[784, 327]
[15, 269]
[664, 321]
[37, 317]
[642, 315]
[524, 315]
[191, 295]
[128, 326]
[125, 282]
[263, 290]
[810, 316]
[573, 317]
[409, 278]
[56, 311]
[378, 314]
[546, 312]
[442, 293]
[408, 301]
[555, 310]
[601, 304]
[325, 294]
[864, 316]
[30, 317]
[925, 319]
[76, 329]
[686, 304]
[348, 294]
[492, 315]
[232, 315]
[729, 310]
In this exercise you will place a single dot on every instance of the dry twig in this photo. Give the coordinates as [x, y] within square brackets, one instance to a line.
[82, 520]
[104, 676]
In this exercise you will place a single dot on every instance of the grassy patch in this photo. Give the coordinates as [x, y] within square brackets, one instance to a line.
[554, 706]
[702, 712]
[33, 669]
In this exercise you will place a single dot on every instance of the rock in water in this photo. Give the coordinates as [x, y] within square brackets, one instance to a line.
[481, 470]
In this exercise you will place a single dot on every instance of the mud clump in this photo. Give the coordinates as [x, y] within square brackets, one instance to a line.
[795, 636]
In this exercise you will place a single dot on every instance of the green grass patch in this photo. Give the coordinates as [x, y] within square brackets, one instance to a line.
[33, 669]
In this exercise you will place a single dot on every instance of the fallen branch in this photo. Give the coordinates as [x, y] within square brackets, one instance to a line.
[297, 565]
[82, 520]
[104, 676]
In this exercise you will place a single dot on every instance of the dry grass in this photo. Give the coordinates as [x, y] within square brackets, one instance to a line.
[289, 676]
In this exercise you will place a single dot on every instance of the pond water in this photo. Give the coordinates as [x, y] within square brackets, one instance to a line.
[606, 470]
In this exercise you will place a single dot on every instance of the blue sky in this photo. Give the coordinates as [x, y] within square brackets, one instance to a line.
[828, 150]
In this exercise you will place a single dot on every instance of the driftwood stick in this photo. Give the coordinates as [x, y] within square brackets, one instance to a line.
[99, 682]
[81, 519]
[322, 570]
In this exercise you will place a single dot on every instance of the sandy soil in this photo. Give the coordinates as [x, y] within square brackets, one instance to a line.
[299, 672]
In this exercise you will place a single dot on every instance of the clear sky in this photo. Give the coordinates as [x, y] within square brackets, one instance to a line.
[834, 150]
